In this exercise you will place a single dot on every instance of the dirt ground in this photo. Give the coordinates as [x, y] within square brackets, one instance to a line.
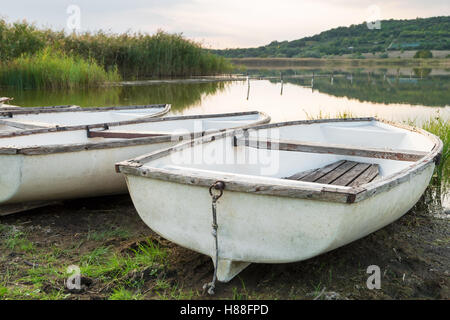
[37, 246]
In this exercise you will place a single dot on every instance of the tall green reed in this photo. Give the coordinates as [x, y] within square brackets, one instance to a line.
[441, 128]
[136, 54]
[53, 69]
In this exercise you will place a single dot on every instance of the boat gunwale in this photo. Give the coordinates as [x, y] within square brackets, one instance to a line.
[59, 148]
[304, 190]
[74, 108]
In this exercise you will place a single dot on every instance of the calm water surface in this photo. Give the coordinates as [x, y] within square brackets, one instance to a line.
[399, 95]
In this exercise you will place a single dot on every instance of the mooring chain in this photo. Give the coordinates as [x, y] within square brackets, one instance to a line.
[218, 186]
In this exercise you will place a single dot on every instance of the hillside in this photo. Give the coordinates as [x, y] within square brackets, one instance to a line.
[428, 33]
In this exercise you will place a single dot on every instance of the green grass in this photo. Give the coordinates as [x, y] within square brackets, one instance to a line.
[121, 274]
[135, 54]
[166, 291]
[123, 294]
[95, 257]
[51, 69]
[3, 291]
[25, 293]
[19, 281]
[109, 234]
[339, 115]
[119, 269]
[441, 128]
[240, 294]
[16, 240]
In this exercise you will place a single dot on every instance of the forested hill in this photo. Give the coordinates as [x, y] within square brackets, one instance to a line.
[428, 33]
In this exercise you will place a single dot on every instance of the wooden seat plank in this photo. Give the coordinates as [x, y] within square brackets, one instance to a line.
[351, 175]
[340, 173]
[313, 147]
[336, 173]
[322, 171]
[25, 125]
[300, 175]
[123, 134]
[367, 176]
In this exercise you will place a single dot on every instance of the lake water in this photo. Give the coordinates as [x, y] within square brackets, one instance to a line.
[399, 95]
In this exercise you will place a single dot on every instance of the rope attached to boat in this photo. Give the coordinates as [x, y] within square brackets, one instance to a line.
[218, 186]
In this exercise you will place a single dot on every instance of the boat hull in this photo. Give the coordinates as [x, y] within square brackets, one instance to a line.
[67, 175]
[265, 228]
[67, 163]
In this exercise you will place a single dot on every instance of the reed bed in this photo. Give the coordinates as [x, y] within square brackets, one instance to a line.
[441, 128]
[157, 55]
[52, 69]
[134, 54]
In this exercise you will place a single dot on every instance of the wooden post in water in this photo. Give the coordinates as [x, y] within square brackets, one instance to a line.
[248, 87]
[281, 79]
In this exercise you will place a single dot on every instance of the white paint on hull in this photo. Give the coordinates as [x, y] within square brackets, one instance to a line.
[69, 175]
[265, 219]
[263, 228]
[87, 171]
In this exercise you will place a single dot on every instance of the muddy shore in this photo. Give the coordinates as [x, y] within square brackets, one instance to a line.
[121, 258]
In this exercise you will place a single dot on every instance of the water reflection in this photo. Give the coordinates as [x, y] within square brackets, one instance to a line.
[180, 95]
[433, 202]
[417, 88]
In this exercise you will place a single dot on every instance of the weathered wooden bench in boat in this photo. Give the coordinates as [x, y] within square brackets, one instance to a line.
[59, 163]
[288, 191]
[15, 119]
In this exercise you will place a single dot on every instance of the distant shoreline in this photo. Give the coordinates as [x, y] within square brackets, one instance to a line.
[344, 62]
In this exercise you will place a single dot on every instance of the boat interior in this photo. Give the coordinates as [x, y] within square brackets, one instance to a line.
[343, 154]
[79, 117]
[148, 128]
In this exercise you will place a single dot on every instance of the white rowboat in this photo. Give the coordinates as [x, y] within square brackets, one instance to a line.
[18, 118]
[291, 191]
[70, 162]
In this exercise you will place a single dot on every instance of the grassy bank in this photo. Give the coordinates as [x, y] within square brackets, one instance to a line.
[441, 128]
[121, 258]
[135, 54]
[52, 69]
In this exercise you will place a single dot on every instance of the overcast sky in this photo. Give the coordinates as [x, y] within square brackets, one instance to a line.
[219, 24]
